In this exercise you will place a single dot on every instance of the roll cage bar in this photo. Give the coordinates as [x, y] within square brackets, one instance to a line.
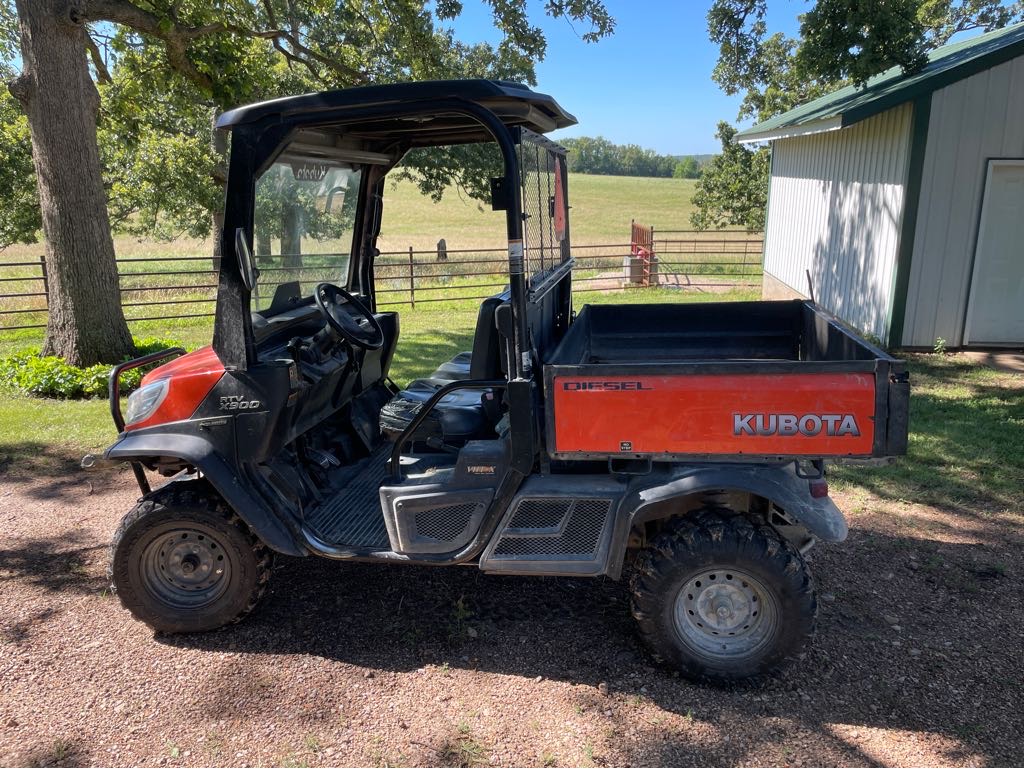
[261, 132]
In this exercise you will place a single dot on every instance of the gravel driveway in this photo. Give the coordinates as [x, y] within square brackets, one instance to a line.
[919, 658]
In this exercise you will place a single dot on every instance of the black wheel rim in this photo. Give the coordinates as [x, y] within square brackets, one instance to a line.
[186, 567]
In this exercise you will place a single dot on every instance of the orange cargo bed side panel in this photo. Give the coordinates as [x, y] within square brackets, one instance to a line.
[803, 414]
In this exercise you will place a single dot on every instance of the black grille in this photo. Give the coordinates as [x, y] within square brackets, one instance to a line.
[580, 537]
[540, 513]
[445, 523]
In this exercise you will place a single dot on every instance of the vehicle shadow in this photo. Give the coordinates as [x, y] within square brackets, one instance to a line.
[950, 660]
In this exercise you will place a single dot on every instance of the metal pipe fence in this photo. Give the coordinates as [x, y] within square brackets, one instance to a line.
[408, 277]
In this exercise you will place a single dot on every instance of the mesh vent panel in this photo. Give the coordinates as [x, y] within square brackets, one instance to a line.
[540, 513]
[445, 523]
[580, 537]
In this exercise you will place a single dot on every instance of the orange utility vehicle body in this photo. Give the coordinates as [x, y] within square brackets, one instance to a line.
[754, 380]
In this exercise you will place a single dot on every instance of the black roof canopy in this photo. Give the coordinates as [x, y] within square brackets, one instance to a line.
[364, 110]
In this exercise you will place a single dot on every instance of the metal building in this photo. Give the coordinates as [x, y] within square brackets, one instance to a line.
[900, 205]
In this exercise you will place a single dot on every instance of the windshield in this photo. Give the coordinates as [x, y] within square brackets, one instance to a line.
[304, 217]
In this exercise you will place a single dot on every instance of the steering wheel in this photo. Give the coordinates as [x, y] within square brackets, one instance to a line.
[330, 298]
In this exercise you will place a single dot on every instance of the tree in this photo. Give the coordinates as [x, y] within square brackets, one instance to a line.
[589, 155]
[733, 187]
[687, 168]
[19, 201]
[841, 41]
[211, 49]
[86, 323]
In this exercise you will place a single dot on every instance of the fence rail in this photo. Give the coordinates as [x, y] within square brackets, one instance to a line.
[698, 261]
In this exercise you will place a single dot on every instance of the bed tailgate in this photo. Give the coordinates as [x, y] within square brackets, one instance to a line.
[721, 410]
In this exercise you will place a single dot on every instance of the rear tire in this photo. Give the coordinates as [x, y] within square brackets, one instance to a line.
[183, 562]
[722, 598]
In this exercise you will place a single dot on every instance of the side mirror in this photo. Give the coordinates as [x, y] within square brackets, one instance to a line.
[246, 265]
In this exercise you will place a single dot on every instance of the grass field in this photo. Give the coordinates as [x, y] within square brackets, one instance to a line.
[602, 207]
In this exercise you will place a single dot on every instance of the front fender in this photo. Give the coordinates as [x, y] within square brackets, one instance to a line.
[263, 521]
[779, 484]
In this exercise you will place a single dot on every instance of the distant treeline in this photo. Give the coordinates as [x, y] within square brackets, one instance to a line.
[597, 155]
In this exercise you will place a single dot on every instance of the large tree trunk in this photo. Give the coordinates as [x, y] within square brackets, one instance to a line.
[86, 323]
[291, 237]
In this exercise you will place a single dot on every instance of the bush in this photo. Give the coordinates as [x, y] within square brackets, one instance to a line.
[52, 377]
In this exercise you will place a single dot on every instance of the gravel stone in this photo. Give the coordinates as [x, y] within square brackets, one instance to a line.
[352, 657]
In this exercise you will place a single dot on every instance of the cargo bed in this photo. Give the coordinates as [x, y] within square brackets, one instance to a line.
[738, 380]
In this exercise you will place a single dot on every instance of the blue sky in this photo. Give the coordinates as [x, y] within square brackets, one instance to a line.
[649, 83]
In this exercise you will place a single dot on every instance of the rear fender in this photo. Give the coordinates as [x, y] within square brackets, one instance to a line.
[778, 484]
[263, 521]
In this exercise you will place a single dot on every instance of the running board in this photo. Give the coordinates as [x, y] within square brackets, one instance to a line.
[557, 525]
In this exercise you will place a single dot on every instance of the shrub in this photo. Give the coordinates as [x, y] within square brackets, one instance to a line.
[52, 377]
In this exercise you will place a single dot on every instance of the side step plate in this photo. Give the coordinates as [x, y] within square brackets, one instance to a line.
[556, 525]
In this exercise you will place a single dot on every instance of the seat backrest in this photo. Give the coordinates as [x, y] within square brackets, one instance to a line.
[486, 360]
[377, 363]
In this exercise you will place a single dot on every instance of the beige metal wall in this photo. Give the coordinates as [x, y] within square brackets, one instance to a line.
[835, 206]
[972, 121]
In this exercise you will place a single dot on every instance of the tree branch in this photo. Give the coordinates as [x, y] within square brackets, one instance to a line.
[176, 37]
[102, 73]
[130, 15]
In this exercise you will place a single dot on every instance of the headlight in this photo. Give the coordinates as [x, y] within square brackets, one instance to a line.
[144, 401]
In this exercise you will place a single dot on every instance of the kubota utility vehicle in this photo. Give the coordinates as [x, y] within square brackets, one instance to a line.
[682, 444]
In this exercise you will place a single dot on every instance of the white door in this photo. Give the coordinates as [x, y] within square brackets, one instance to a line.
[995, 313]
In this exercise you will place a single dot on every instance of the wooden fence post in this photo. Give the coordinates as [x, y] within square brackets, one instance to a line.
[46, 281]
[412, 280]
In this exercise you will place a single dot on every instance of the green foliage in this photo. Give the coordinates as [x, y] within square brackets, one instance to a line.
[597, 155]
[687, 168]
[853, 40]
[163, 84]
[51, 377]
[841, 41]
[469, 167]
[733, 187]
[19, 201]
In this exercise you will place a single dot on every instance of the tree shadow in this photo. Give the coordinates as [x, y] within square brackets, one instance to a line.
[31, 459]
[859, 673]
[54, 564]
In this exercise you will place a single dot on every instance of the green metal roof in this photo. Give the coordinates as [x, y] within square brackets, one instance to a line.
[891, 88]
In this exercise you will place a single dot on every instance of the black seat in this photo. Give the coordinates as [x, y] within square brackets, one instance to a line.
[484, 360]
[464, 414]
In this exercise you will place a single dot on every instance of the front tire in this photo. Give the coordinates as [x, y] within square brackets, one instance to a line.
[182, 562]
[722, 598]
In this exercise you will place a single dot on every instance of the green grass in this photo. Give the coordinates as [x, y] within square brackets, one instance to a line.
[966, 448]
[602, 207]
